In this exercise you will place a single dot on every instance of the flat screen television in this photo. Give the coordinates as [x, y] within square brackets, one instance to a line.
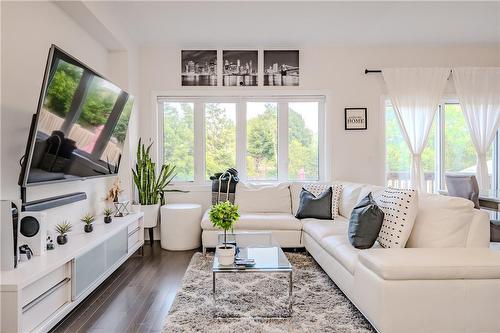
[79, 129]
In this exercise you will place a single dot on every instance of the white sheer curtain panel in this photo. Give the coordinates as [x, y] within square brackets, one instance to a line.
[478, 90]
[415, 94]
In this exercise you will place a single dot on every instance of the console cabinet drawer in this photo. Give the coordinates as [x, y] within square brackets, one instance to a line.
[41, 308]
[133, 238]
[37, 288]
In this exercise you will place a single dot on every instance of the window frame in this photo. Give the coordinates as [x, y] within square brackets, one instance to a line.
[282, 101]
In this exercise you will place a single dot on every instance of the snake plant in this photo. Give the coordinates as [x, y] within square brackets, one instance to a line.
[150, 186]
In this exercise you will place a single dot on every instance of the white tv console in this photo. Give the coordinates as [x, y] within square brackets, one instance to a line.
[40, 292]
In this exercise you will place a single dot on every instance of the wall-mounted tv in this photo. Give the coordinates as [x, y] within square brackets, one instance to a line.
[79, 129]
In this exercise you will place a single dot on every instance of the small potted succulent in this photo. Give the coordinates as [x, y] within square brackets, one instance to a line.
[62, 229]
[88, 219]
[224, 215]
[107, 215]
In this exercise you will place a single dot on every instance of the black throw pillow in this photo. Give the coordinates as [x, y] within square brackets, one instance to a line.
[319, 207]
[365, 223]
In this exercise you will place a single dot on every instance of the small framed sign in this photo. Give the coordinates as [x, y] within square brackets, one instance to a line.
[355, 119]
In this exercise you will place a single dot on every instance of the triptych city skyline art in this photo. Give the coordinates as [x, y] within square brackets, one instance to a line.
[239, 68]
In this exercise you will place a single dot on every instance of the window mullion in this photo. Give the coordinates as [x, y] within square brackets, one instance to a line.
[441, 148]
[199, 142]
[282, 141]
[241, 138]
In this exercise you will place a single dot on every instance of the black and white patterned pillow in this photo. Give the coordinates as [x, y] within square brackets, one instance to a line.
[400, 210]
[318, 189]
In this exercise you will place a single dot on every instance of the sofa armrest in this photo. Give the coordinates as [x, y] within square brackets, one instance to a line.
[432, 263]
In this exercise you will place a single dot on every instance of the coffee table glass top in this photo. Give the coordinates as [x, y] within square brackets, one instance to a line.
[261, 247]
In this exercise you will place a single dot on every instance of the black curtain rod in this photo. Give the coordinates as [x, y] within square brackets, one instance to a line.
[369, 71]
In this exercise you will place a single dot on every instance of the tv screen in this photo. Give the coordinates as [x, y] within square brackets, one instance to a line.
[80, 126]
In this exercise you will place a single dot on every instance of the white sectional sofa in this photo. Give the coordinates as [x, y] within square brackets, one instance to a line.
[445, 280]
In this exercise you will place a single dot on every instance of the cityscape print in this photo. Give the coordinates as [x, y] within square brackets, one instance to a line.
[240, 68]
[199, 67]
[281, 68]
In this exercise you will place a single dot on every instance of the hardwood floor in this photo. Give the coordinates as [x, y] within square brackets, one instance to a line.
[135, 298]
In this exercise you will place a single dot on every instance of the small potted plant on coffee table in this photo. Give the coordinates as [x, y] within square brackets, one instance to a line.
[88, 219]
[224, 215]
[107, 215]
[62, 229]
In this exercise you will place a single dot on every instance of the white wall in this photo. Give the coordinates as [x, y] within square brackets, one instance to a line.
[339, 71]
[27, 30]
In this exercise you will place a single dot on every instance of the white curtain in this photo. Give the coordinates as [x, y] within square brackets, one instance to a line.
[478, 90]
[415, 94]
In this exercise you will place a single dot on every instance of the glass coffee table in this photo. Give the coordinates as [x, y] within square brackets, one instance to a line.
[268, 256]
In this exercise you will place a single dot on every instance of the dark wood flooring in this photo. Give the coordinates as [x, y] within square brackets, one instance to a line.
[135, 298]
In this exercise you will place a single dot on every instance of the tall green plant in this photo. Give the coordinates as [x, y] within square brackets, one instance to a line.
[149, 186]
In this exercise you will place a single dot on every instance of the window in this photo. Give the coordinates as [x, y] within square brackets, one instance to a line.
[220, 137]
[265, 138]
[303, 129]
[449, 149]
[262, 141]
[178, 138]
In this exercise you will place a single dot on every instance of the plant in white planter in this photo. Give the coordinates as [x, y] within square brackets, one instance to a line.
[224, 215]
[150, 186]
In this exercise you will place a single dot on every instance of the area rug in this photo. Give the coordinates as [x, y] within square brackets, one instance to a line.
[243, 299]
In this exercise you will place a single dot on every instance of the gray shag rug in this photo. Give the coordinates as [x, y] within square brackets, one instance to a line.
[244, 299]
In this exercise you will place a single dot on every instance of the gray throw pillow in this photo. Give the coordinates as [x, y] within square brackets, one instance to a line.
[319, 207]
[365, 223]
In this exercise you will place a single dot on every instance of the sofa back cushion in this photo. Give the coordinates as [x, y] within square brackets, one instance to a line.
[350, 197]
[400, 209]
[254, 198]
[442, 221]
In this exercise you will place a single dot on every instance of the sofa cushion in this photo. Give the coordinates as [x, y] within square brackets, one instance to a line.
[400, 209]
[365, 223]
[254, 198]
[319, 229]
[349, 198]
[259, 221]
[339, 247]
[312, 206]
[317, 189]
[442, 221]
[296, 188]
[432, 264]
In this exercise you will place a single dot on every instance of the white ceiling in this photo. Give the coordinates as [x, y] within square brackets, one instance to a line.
[297, 23]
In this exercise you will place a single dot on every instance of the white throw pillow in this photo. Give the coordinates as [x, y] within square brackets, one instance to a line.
[253, 198]
[442, 221]
[400, 210]
[317, 189]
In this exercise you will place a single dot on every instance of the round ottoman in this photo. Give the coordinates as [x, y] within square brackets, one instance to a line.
[180, 226]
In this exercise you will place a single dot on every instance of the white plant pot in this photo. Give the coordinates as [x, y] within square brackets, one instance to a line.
[226, 255]
[151, 213]
[136, 208]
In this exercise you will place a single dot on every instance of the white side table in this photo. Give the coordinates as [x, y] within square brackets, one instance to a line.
[180, 226]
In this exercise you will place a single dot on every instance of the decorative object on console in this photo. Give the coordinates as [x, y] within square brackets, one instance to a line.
[33, 231]
[62, 229]
[317, 189]
[224, 215]
[107, 215]
[199, 67]
[365, 223]
[149, 186]
[355, 119]
[121, 208]
[114, 191]
[311, 206]
[50, 243]
[281, 68]
[400, 210]
[88, 219]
